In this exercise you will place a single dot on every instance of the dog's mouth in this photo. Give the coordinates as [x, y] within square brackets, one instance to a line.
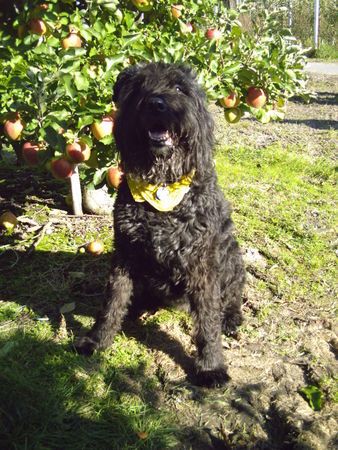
[161, 140]
[161, 137]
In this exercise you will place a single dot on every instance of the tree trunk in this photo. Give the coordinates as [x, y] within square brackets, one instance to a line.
[76, 192]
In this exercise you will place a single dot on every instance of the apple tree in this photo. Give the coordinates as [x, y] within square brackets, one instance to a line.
[59, 61]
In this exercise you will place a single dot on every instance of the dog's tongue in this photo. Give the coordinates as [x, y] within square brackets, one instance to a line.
[161, 136]
[157, 135]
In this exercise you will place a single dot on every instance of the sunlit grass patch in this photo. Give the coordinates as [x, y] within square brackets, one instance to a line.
[284, 205]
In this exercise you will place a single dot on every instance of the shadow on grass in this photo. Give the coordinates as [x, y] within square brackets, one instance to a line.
[54, 398]
[322, 98]
[45, 282]
[51, 398]
[316, 124]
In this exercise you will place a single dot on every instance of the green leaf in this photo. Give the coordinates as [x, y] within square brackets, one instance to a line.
[67, 81]
[314, 396]
[236, 30]
[49, 135]
[232, 68]
[84, 121]
[107, 140]
[87, 139]
[70, 66]
[81, 81]
[117, 59]
[128, 40]
[58, 115]
[99, 175]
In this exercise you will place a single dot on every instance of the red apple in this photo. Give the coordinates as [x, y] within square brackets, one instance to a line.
[213, 33]
[13, 127]
[189, 28]
[103, 128]
[231, 101]
[143, 5]
[232, 115]
[61, 168]
[176, 11]
[256, 97]
[37, 26]
[73, 40]
[78, 151]
[30, 152]
[114, 176]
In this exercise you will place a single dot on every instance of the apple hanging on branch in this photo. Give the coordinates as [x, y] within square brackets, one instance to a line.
[14, 126]
[256, 97]
[73, 40]
[61, 168]
[213, 33]
[37, 26]
[232, 115]
[30, 152]
[103, 128]
[176, 11]
[231, 101]
[114, 176]
[143, 5]
[78, 151]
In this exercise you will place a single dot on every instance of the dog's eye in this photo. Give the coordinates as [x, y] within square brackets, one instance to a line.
[178, 88]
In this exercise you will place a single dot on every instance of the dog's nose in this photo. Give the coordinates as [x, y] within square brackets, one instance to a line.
[156, 104]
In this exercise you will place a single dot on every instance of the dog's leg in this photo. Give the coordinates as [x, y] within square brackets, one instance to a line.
[235, 276]
[109, 319]
[210, 367]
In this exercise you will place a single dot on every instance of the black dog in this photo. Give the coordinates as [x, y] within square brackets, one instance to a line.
[173, 231]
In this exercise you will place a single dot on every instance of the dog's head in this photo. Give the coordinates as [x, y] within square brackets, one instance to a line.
[162, 129]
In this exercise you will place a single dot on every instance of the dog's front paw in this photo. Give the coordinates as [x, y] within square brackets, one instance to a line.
[85, 345]
[212, 378]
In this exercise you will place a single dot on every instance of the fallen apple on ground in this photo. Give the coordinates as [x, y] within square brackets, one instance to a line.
[95, 247]
[8, 220]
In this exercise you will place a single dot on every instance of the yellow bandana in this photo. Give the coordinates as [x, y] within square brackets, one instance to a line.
[161, 197]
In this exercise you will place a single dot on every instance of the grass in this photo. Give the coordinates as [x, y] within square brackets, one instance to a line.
[284, 203]
[327, 51]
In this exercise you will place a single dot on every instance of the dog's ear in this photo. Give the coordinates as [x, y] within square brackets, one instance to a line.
[123, 78]
[187, 70]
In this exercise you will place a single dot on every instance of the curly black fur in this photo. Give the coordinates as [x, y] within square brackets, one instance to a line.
[164, 131]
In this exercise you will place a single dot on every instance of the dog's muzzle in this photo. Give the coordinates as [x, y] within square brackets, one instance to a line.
[159, 134]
